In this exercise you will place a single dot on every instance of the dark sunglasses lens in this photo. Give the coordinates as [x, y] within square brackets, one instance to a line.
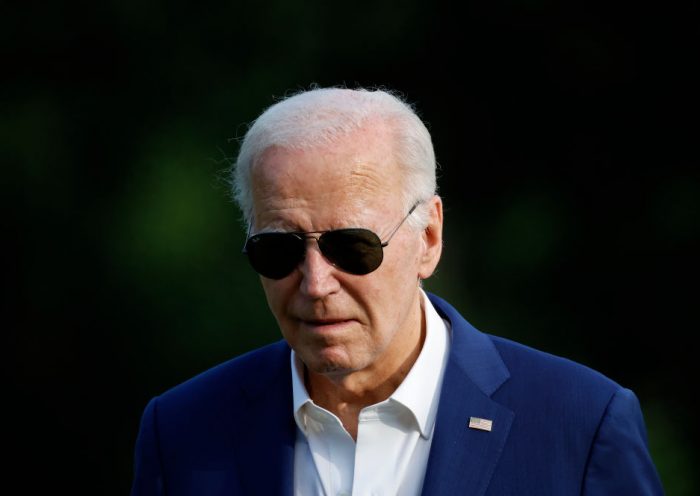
[275, 255]
[357, 251]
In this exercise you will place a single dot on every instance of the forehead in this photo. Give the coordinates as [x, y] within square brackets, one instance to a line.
[326, 185]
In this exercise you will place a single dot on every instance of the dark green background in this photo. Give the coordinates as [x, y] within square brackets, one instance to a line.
[567, 139]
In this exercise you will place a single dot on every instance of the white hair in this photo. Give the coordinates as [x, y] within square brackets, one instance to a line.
[321, 117]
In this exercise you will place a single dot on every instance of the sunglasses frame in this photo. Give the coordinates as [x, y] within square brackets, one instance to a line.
[304, 235]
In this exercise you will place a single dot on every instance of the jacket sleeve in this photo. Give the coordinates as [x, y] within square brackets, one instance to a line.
[148, 474]
[619, 461]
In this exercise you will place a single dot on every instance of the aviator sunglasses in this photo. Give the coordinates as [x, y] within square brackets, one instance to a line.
[355, 250]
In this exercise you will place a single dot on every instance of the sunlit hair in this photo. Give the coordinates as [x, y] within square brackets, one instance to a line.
[323, 116]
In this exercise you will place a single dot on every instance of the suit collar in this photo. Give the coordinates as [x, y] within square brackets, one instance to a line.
[265, 444]
[478, 357]
[462, 459]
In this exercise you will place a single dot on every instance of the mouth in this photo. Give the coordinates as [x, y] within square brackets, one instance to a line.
[324, 321]
[326, 325]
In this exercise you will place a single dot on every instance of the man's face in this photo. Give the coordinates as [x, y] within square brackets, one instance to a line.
[339, 323]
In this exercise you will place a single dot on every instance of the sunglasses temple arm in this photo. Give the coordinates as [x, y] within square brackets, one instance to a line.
[385, 243]
[247, 236]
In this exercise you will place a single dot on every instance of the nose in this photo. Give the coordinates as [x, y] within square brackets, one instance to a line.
[318, 274]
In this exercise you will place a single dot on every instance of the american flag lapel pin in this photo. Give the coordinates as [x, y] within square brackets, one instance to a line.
[480, 424]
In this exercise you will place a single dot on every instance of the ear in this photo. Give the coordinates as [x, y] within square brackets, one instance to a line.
[432, 239]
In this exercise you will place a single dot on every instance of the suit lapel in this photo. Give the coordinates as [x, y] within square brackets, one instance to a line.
[266, 441]
[462, 459]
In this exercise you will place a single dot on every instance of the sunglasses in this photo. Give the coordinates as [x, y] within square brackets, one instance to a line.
[357, 251]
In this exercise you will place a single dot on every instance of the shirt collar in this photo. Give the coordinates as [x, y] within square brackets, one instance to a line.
[300, 396]
[420, 390]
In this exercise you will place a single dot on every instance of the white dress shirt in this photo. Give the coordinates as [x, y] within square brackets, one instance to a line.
[393, 437]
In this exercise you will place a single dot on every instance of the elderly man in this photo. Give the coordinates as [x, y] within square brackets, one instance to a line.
[377, 387]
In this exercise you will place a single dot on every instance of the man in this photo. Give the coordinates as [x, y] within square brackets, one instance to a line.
[377, 388]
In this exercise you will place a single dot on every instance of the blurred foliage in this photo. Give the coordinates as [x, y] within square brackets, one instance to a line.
[568, 171]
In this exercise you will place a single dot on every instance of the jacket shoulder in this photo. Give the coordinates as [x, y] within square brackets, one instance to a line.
[546, 390]
[241, 378]
[499, 364]
[194, 434]
[530, 365]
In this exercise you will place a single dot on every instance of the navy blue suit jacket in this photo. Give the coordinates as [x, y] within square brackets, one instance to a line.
[559, 428]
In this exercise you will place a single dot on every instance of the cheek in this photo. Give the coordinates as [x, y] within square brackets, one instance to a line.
[399, 282]
[403, 267]
[277, 294]
[388, 294]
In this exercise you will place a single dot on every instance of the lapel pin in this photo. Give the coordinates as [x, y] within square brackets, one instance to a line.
[480, 424]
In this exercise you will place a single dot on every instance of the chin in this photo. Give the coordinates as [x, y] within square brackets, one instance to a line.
[318, 354]
[330, 369]
[329, 366]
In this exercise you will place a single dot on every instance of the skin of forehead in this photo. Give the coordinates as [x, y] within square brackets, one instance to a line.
[351, 179]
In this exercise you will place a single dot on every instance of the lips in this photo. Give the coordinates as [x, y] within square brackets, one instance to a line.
[322, 322]
[326, 325]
